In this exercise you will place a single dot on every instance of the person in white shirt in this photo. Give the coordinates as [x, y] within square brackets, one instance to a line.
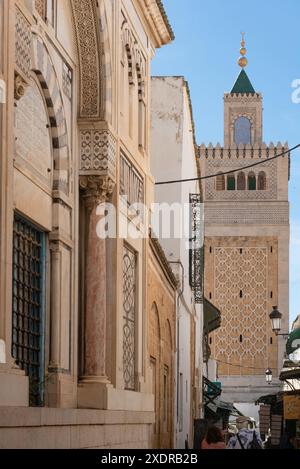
[245, 438]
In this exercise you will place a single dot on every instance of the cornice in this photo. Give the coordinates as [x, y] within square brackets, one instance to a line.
[161, 258]
[158, 22]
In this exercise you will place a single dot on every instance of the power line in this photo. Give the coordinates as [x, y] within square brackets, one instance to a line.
[231, 171]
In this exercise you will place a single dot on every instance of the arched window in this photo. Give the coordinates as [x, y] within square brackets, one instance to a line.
[241, 182]
[242, 131]
[262, 181]
[231, 183]
[220, 182]
[251, 182]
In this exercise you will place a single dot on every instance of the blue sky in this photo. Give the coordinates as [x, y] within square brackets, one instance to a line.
[206, 50]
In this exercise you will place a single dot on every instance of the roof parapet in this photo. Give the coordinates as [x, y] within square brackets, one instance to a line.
[239, 96]
[264, 151]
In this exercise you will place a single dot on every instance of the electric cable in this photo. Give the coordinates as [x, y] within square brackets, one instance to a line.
[210, 176]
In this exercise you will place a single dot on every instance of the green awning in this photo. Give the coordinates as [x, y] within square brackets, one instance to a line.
[212, 317]
[293, 342]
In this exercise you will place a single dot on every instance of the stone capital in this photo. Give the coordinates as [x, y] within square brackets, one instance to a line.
[96, 189]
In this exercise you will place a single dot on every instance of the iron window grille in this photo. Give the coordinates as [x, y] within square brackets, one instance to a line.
[129, 317]
[131, 183]
[28, 305]
[196, 263]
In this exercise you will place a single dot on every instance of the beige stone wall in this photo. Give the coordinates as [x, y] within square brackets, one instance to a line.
[161, 312]
[64, 140]
[74, 429]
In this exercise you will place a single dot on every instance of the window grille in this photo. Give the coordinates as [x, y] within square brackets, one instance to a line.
[129, 317]
[196, 248]
[131, 183]
[28, 305]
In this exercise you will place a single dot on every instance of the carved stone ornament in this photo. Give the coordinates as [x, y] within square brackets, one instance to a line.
[96, 189]
[98, 152]
[20, 87]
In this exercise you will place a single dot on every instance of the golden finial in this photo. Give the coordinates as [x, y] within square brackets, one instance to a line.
[243, 61]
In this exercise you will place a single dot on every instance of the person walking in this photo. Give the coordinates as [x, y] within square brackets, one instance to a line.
[245, 438]
[214, 439]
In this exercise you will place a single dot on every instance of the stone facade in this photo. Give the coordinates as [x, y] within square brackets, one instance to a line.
[78, 91]
[162, 344]
[246, 248]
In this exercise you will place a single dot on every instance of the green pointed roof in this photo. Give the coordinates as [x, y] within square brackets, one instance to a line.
[243, 84]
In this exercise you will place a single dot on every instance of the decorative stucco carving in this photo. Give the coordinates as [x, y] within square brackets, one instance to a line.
[94, 59]
[40, 6]
[239, 214]
[248, 273]
[98, 153]
[23, 45]
[86, 32]
[214, 166]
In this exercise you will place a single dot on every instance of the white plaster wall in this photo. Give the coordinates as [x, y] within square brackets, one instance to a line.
[173, 157]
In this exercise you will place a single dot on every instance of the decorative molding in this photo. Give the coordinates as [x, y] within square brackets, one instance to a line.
[94, 59]
[96, 190]
[248, 273]
[67, 80]
[235, 113]
[20, 86]
[98, 153]
[239, 214]
[136, 59]
[157, 21]
[23, 46]
[213, 166]
[40, 6]
[243, 98]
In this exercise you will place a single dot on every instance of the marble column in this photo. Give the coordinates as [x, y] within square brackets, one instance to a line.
[96, 190]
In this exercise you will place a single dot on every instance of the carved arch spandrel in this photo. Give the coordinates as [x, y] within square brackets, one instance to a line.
[94, 59]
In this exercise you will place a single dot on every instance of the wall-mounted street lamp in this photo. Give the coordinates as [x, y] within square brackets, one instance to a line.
[269, 376]
[276, 317]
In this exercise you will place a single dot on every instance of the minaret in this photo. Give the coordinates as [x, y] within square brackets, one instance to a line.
[243, 109]
[246, 244]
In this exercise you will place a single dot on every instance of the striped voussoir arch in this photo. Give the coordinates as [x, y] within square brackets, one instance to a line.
[43, 68]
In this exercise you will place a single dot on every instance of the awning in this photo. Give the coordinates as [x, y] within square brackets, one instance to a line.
[268, 399]
[219, 406]
[293, 373]
[212, 317]
[293, 342]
